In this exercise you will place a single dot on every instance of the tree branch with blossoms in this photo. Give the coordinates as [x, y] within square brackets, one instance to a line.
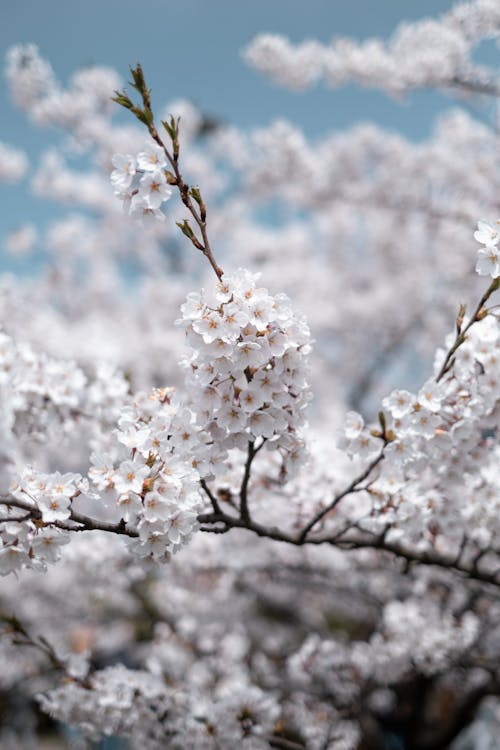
[190, 195]
[255, 398]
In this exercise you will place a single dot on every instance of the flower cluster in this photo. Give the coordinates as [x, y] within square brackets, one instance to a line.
[44, 398]
[28, 529]
[426, 52]
[436, 452]
[248, 367]
[140, 706]
[141, 181]
[411, 633]
[145, 476]
[417, 631]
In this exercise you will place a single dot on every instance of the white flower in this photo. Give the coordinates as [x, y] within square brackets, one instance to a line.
[122, 176]
[488, 262]
[210, 326]
[353, 425]
[487, 234]
[140, 208]
[129, 477]
[46, 545]
[152, 158]
[399, 403]
[431, 396]
[153, 188]
[12, 559]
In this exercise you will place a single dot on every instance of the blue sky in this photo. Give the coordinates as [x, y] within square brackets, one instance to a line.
[192, 49]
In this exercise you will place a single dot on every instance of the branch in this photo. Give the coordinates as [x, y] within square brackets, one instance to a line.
[211, 496]
[85, 523]
[347, 491]
[252, 452]
[478, 314]
[484, 88]
[91, 524]
[375, 542]
[21, 636]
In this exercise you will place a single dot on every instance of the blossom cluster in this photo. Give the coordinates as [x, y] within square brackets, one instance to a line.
[45, 401]
[145, 476]
[34, 87]
[409, 630]
[141, 181]
[44, 398]
[39, 394]
[436, 443]
[435, 440]
[140, 706]
[247, 368]
[28, 529]
[422, 53]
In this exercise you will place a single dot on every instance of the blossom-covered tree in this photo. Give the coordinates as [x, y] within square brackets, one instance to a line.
[195, 554]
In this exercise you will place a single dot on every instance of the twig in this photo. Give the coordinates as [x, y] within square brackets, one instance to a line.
[252, 452]
[478, 314]
[350, 488]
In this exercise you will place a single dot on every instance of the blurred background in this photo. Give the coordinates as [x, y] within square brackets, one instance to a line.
[192, 49]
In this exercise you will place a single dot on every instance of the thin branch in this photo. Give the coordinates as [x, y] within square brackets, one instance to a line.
[478, 314]
[352, 487]
[211, 496]
[483, 88]
[15, 519]
[91, 524]
[370, 541]
[199, 217]
[18, 630]
[252, 452]
[145, 115]
[85, 523]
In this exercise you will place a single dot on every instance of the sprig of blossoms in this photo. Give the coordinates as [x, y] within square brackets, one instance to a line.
[141, 182]
[439, 440]
[248, 368]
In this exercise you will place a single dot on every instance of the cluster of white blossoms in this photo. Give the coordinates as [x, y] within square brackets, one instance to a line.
[145, 475]
[411, 633]
[45, 399]
[437, 442]
[417, 632]
[426, 52]
[144, 479]
[39, 395]
[488, 256]
[141, 182]
[145, 709]
[248, 368]
[29, 532]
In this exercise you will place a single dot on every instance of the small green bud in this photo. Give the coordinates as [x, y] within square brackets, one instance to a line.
[186, 229]
[460, 317]
[195, 193]
[122, 99]
[138, 81]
